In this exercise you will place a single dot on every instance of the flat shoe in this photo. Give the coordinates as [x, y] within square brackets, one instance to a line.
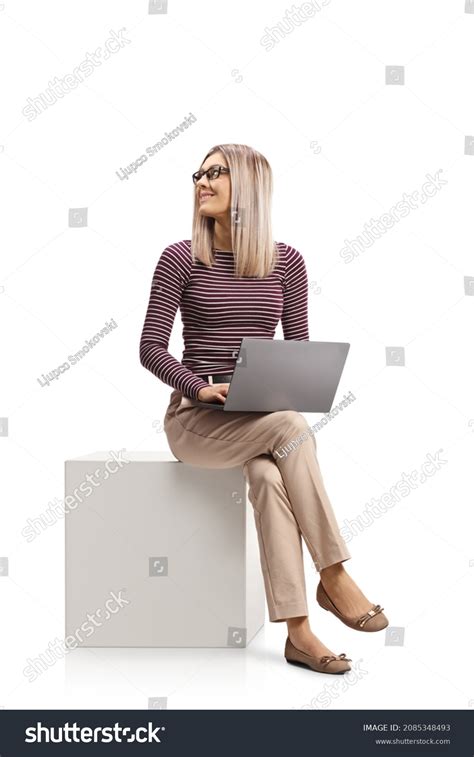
[336, 664]
[372, 620]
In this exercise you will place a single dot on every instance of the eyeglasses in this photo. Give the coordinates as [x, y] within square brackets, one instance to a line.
[212, 173]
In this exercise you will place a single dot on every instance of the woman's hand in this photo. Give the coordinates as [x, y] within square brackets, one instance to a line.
[213, 393]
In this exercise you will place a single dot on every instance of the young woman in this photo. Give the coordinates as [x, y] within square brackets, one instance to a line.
[231, 280]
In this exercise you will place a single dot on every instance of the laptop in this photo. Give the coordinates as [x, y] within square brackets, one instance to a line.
[284, 374]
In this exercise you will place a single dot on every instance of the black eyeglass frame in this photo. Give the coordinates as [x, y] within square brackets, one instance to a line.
[211, 170]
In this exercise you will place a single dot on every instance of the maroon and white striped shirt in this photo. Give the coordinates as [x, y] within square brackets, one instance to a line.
[217, 311]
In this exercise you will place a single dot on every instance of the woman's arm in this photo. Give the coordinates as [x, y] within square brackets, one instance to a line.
[294, 319]
[167, 286]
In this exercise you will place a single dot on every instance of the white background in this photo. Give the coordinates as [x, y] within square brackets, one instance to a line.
[344, 146]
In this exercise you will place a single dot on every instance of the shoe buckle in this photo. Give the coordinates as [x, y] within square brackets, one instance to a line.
[369, 614]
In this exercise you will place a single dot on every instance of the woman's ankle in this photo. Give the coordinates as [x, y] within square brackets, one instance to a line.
[332, 571]
[298, 624]
[299, 628]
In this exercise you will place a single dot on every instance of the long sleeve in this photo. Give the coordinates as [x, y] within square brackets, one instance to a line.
[294, 319]
[167, 286]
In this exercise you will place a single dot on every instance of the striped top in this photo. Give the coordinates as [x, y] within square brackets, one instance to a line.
[217, 311]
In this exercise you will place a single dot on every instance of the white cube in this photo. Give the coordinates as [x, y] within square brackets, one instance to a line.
[159, 554]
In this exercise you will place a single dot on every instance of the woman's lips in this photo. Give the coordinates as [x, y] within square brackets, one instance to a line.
[204, 197]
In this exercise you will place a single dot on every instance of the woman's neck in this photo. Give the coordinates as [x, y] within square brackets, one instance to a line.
[222, 237]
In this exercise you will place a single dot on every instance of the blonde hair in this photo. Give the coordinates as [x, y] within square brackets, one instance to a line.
[255, 252]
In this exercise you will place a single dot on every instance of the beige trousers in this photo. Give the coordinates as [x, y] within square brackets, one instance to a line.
[285, 488]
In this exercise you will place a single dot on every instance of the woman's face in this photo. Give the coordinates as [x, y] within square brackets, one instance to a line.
[213, 195]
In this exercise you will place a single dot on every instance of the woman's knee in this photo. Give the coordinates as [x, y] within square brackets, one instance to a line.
[292, 430]
[293, 421]
[262, 470]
